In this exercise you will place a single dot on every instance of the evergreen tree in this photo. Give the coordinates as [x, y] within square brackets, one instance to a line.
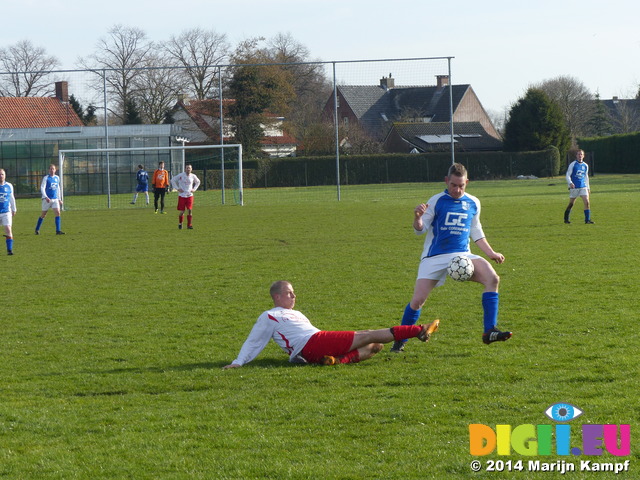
[600, 123]
[536, 123]
[75, 104]
[131, 113]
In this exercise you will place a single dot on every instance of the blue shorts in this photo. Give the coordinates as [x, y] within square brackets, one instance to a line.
[142, 188]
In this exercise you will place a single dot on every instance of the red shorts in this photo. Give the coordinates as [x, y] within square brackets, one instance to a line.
[327, 343]
[185, 203]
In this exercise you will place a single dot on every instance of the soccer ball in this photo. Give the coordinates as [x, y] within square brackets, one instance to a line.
[460, 268]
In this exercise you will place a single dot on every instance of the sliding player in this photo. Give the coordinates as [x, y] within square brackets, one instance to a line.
[7, 209]
[51, 190]
[304, 343]
[450, 218]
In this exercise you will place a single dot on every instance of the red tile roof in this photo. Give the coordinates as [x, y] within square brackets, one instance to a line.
[36, 112]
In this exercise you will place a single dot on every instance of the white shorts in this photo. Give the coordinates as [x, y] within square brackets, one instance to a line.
[578, 192]
[435, 268]
[6, 219]
[52, 203]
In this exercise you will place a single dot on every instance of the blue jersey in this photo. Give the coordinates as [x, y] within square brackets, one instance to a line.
[7, 200]
[578, 174]
[449, 223]
[50, 187]
[142, 177]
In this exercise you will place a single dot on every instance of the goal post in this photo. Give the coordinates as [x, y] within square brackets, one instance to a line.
[106, 177]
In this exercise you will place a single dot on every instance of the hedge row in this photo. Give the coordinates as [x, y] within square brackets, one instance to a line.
[613, 154]
[394, 168]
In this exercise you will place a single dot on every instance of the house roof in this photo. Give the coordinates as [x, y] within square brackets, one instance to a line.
[375, 105]
[36, 112]
[469, 136]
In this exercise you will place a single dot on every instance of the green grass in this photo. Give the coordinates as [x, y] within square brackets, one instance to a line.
[114, 336]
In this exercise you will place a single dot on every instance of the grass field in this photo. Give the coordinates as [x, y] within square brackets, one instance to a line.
[114, 336]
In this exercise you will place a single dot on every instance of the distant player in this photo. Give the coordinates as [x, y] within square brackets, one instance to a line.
[578, 182]
[450, 219]
[185, 183]
[142, 180]
[160, 182]
[7, 209]
[51, 190]
[304, 343]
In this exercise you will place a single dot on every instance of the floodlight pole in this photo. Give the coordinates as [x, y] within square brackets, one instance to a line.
[453, 149]
[337, 134]
[183, 140]
[106, 135]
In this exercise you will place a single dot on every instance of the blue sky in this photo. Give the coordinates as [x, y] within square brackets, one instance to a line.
[499, 47]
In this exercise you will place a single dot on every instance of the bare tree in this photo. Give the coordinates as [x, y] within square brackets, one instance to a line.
[157, 88]
[625, 116]
[575, 101]
[120, 56]
[199, 52]
[309, 82]
[28, 70]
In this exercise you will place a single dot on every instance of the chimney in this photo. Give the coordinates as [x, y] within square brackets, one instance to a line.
[387, 83]
[443, 80]
[62, 91]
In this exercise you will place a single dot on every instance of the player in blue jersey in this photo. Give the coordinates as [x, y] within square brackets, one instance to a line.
[450, 219]
[142, 180]
[7, 209]
[51, 190]
[578, 182]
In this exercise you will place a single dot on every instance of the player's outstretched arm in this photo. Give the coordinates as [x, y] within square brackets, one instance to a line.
[489, 252]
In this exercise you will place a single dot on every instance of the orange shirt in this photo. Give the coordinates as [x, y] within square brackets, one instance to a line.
[160, 179]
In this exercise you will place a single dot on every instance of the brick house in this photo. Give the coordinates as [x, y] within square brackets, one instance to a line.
[39, 112]
[200, 122]
[375, 108]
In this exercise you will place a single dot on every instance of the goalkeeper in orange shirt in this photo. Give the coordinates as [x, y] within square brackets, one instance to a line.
[160, 182]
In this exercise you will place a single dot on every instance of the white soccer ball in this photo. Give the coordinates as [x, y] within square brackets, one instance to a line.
[460, 268]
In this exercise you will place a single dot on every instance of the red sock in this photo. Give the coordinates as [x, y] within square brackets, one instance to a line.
[180, 218]
[189, 220]
[402, 332]
[352, 357]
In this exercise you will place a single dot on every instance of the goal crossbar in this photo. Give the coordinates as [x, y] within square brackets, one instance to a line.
[62, 153]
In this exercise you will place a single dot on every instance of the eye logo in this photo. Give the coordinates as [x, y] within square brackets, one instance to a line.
[562, 412]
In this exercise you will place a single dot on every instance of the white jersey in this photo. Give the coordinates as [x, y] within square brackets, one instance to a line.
[187, 183]
[290, 329]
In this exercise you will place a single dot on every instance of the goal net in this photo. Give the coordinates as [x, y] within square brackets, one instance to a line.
[106, 177]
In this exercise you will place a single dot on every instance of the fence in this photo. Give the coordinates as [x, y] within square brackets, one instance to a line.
[336, 108]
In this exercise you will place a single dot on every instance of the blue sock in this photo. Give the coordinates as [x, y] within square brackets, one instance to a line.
[39, 224]
[587, 215]
[490, 302]
[9, 244]
[410, 316]
[57, 224]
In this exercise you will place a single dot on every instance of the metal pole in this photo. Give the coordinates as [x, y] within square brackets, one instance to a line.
[222, 132]
[453, 154]
[240, 186]
[106, 135]
[335, 120]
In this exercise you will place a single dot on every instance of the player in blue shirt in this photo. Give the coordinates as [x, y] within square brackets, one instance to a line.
[7, 209]
[142, 179]
[450, 219]
[578, 182]
[51, 190]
